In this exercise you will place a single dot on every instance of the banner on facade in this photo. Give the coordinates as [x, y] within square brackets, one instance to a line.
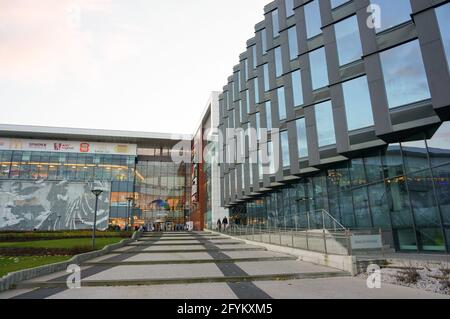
[67, 146]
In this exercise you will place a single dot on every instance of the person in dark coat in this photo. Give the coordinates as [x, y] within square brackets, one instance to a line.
[219, 225]
[225, 223]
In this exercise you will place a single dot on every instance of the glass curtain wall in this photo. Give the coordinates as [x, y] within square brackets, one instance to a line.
[404, 188]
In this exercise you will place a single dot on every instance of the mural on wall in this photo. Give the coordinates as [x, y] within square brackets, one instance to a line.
[51, 205]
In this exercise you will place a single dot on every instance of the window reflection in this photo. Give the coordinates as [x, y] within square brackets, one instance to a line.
[313, 20]
[358, 107]
[443, 16]
[393, 13]
[348, 41]
[404, 75]
[319, 71]
[325, 124]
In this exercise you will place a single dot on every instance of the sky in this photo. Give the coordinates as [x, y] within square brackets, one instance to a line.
[138, 65]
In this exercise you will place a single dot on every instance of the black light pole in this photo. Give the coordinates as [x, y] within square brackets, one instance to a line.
[97, 193]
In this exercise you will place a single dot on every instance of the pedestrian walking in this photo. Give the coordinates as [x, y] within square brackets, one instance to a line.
[219, 225]
[225, 223]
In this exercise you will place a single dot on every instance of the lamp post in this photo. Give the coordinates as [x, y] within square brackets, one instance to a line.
[129, 200]
[97, 192]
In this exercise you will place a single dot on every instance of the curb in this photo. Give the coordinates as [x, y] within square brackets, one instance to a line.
[10, 280]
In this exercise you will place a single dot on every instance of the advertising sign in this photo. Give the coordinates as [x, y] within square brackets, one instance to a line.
[67, 146]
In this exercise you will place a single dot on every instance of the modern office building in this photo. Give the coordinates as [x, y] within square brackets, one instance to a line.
[357, 94]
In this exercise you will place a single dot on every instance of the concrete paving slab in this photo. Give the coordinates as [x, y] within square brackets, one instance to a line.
[189, 291]
[158, 272]
[254, 254]
[172, 256]
[285, 267]
[13, 293]
[340, 287]
[196, 247]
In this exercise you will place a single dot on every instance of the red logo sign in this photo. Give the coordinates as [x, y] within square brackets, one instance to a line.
[84, 147]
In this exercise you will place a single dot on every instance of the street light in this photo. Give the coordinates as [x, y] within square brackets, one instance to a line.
[97, 192]
[129, 200]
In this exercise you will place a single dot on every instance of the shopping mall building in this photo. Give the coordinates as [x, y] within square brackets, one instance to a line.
[357, 95]
[47, 174]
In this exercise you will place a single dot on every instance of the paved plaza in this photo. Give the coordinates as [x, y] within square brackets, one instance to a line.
[202, 265]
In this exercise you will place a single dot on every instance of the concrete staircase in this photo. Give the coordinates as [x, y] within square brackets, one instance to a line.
[178, 264]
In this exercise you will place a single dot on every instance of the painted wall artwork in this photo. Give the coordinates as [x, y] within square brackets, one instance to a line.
[51, 205]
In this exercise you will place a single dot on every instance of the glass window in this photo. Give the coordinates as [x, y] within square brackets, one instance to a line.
[241, 111]
[325, 124]
[278, 62]
[258, 125]
[264, 41]
[443, 16]
[256, 88]
[281, 104]
[393, 13]
[268, 106]
[238, 85]
[245, 73]
[302, 142]
[285, 148]
[275, 23]
[289, 8]
[379, 206]
[392, 161]
[415, 156]
[358, 107]
[266, 77]
[404, 75]
[348, 41]
[255, 62]
[442, 184]
[297, 88]
[293, 44]
[337, 3]
[439, 145]
[318, 65]
[247, 100]
[312, 17]
[361, 204]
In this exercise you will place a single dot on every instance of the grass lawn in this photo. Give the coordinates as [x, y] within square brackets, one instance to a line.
[64, 243]
[11, 264]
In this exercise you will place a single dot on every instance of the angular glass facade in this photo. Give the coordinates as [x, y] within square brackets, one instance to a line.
[398, 188]
[358, 106]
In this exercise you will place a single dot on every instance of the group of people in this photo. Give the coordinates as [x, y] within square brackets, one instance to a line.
[222, 224]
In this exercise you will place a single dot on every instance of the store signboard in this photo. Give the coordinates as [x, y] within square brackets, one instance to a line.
[67, 146]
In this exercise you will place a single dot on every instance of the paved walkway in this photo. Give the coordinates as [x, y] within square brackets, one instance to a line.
[202, 265]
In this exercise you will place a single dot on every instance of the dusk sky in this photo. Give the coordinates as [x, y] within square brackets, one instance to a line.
[140, 65]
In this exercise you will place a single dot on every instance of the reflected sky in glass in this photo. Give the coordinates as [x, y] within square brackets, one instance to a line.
[285, 148]
[358, 107]
[269, 115]
[443, 16]
[325, 124]
[337, 3]
[293, 44]
[404, 75]
[312, 17]
[393, 12]
[266, 77]
[281, 103]
[348, 41]
[289, 8]
[302, 143]
[275, 23]
[319, 72]
[278, 62]
[297, 88]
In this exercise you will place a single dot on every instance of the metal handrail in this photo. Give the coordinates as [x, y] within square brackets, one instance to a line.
[324, 212]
